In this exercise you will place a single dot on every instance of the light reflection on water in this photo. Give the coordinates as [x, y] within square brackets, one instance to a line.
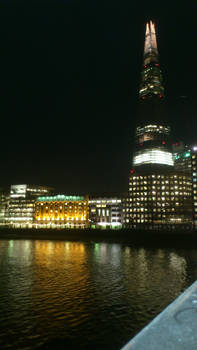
[96, 295]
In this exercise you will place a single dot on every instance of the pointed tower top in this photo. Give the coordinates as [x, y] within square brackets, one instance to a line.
[151, 81]
[150, 47]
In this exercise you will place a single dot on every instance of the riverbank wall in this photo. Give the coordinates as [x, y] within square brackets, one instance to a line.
[146, 238]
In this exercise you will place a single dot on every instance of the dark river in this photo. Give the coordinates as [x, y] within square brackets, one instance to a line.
[70, 295]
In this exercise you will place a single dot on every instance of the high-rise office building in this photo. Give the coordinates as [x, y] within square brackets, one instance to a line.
[158, 196]
[185, 160]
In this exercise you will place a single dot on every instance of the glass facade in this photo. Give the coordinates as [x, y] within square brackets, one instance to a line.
[185, 160]
[158, 196]
[151, 77]
[153, 156]
[151, 81]
[21, 204]
[152, 137]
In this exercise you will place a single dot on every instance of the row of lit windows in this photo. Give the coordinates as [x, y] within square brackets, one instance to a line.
[159, 210]
[59, 208]
[57, 204]
[157, 185]
[61, 218]
[164, 183]
[161, 181]
[159, 188]
[158, 176]
[156, 204]
[147, 215]
[152, 128]
[20, 214]
[110, 201]
[144, 221]
[163, 194]
[158, 191]
[156, 209]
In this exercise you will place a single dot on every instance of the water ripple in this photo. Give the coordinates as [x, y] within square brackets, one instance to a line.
[85, 296]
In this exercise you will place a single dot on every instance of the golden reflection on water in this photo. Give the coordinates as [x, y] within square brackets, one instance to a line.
[61, 282]
[73, 289]
[46, 252]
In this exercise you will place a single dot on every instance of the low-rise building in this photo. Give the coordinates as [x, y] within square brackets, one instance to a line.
[62, 211]
[105, 212]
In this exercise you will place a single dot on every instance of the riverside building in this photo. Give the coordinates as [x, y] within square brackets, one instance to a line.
[159, 196]
[62, 211]
[21, 204]
[105, 212]
[4, 201]
[185, 160]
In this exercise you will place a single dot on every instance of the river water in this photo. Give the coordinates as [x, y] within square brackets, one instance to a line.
[75, 295]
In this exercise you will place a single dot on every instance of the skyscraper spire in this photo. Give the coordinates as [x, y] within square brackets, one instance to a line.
[153, 145]
[150, 46]
[151, 80]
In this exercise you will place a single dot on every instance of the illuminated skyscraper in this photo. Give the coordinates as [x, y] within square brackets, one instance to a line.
[152, 138]
[159, 196]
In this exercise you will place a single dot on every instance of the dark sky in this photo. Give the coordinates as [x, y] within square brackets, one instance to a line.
[69, 78]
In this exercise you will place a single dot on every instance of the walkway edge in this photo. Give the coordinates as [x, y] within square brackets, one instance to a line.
[174, 328]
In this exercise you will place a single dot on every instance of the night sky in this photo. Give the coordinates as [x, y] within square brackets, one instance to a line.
[69, 79]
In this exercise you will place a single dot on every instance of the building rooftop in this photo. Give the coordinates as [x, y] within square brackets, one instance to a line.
[60, 198]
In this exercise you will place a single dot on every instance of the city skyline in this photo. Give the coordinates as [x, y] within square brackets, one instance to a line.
[69, 90]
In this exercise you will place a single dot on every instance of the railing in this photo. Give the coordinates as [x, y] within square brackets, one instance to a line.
[175, 328]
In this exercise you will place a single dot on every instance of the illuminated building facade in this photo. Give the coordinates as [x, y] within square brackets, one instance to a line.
[158, 201]
[151, 77]
[62, 212]
[4, 201]
[105, 213]
[185, 160]
[194, 183]
[21, 204]
[159, 196]
[152, 137]
[182, 157]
